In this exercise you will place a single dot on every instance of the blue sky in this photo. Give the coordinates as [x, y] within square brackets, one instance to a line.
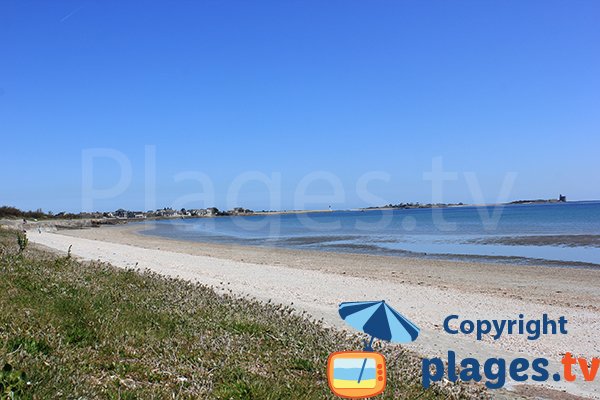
[289, 87]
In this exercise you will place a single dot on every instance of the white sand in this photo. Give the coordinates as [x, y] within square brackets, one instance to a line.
[319, 293]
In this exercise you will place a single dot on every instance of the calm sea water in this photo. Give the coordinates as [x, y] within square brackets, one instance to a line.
[455, 233]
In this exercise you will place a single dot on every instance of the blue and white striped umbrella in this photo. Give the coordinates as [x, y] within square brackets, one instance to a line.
[379, 320]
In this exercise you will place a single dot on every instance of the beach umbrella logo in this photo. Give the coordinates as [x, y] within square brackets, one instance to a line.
[379, 320]
[360, 374]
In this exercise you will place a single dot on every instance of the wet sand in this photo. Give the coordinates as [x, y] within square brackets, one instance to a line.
[545, 240]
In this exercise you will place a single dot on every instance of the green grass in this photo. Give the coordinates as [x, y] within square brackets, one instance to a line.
[89, 330]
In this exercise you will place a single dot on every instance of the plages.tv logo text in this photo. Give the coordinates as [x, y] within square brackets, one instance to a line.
[496, 370]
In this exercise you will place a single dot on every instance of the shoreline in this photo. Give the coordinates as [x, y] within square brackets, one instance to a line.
[296, 243]
[459, 274]
[426, 291]
[585, 241]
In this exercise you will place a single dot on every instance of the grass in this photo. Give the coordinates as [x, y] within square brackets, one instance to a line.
[89, 330]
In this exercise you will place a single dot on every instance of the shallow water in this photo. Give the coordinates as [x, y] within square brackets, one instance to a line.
[455, 232]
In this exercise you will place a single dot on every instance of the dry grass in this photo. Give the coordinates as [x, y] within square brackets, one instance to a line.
[89, 330]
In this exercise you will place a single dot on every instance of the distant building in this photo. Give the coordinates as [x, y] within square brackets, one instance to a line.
[167, 212]
[120, 213]
[562, 198]
[212, 211]
[240, 210]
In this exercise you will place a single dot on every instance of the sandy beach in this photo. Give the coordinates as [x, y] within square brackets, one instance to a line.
[426, 291]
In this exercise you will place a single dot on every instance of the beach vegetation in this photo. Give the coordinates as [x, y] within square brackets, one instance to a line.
[13, 383]
[22, 241]
[10, 212]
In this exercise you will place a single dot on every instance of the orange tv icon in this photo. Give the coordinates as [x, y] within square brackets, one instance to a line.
[356, 374]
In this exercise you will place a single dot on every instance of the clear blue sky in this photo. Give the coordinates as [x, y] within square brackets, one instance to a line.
[293, 87]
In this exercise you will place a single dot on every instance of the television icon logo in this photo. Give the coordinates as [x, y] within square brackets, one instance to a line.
[356, 374]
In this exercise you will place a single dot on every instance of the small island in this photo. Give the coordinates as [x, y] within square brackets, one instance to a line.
[561, 199]
[413, 205]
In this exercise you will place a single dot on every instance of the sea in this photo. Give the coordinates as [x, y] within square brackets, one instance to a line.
[543, 233]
